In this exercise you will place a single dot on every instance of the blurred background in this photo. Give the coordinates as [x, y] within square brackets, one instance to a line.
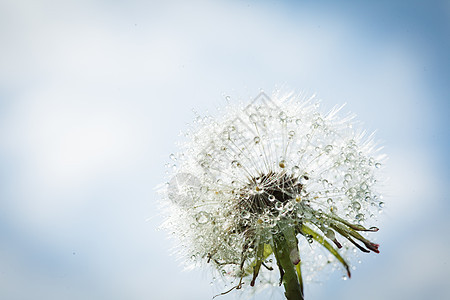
[93, 95]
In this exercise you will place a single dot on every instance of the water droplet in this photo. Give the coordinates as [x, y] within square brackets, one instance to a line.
[172, 157]
[377, 165]
[351, 192]
[272, 198]
[356, 205]
[295, 170]
[282, 116]
[257, 139]
[330, 201]
[290, 206]
[381, 204]
[304, 179]
[282, 164]
[291, 133]
[202, 217]
[245, 214]
[359, 217]
[319, 121]
[348, 177]
[298, 121]
[278, 206]
[330, 234]
[253, 118]
[328, 148]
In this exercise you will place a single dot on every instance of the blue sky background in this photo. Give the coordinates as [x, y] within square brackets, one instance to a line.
[93, 95]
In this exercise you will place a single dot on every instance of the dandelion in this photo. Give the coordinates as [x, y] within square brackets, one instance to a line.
[273, 192]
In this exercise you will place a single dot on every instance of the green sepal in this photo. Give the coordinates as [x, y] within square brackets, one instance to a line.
[321, 240]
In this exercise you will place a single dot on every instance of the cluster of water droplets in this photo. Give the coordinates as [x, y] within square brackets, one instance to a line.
[224, 184]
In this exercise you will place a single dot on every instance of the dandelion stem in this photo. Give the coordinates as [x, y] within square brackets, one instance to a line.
[285, 244]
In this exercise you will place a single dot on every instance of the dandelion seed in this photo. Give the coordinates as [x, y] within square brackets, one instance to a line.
[263, 182]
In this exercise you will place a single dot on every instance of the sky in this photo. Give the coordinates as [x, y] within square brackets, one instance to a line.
[94, 94]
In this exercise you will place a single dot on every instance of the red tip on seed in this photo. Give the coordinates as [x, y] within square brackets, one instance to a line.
[373, 247]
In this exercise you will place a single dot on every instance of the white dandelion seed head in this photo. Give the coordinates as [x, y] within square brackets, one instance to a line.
[278, 160]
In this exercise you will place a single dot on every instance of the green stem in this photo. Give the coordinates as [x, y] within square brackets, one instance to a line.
[284, 243]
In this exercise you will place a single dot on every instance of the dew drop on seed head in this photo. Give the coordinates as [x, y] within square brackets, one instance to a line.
[295, 170]
[245, 214]
[290, 206]
[278, 206]
[381, 204]
[304, 179]
[282, 116]
[377, 165]
[253, 118]
[202, 217]
[356, 205]
[257, 139]
[271, 198]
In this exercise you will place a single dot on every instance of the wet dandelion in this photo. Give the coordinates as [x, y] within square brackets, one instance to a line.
[252, 192]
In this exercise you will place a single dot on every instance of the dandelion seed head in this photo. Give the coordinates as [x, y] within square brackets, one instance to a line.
[276, 160]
